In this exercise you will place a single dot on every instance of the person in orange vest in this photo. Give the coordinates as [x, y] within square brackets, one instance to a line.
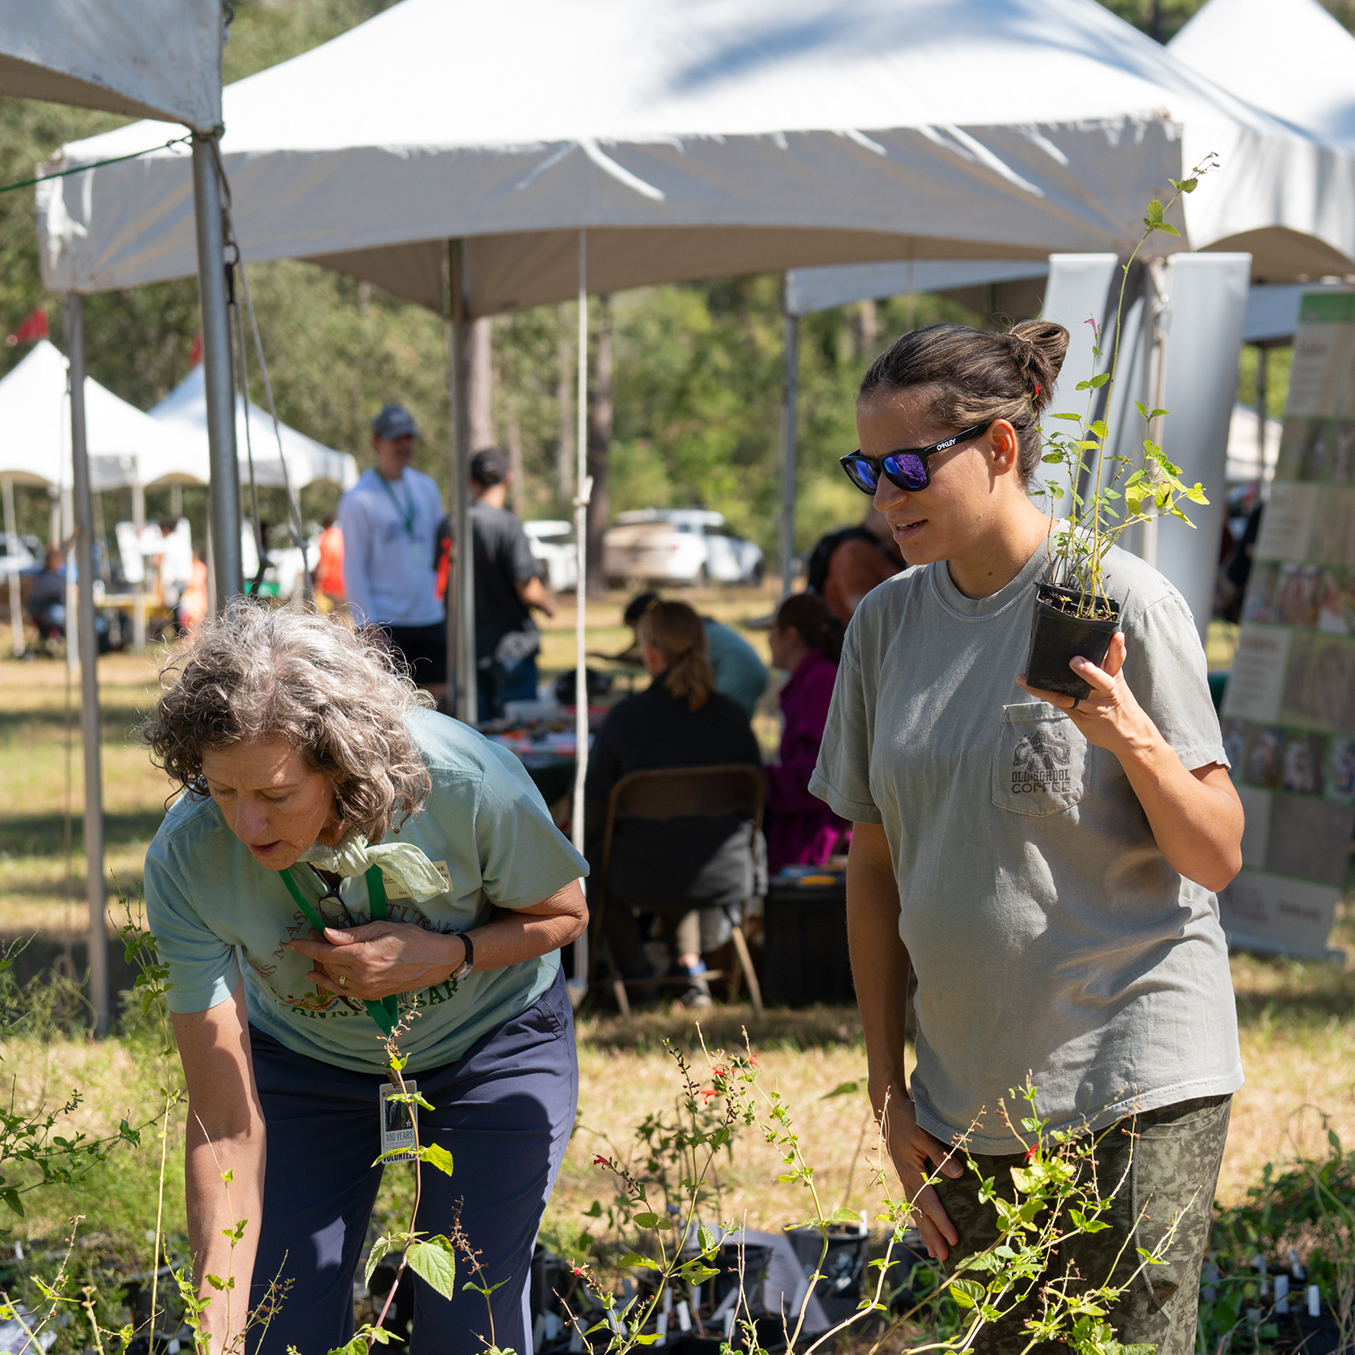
[329, 571]
[193, 599]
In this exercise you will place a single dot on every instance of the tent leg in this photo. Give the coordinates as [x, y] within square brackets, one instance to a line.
[89, 668]
[1260, 419]
[461, 580]
[224, 507]
[139, 592]
[790, 387]
[579, 984]
[16, 616]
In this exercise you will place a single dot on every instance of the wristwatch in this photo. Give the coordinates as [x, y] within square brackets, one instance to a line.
[468, 964]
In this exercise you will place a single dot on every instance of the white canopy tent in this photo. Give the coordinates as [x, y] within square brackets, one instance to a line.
[140, 58]
[181, 417]
[155, 58]
[755, 134]
[1290, 57]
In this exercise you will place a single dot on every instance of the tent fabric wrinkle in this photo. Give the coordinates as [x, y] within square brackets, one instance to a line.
[807, 124]
[140, 58]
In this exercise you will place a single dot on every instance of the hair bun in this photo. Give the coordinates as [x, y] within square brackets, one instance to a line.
[1038, 348]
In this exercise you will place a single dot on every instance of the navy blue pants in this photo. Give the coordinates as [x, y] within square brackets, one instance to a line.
[504, 1111]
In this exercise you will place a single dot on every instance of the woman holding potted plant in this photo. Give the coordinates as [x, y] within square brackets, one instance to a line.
[1042, 864]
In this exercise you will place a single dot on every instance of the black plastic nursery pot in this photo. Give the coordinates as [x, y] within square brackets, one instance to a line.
[1057, 636]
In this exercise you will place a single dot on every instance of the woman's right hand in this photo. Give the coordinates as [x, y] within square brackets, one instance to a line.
[911, 1148]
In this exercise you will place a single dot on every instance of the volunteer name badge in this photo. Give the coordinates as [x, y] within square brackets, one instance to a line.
[398, 1122]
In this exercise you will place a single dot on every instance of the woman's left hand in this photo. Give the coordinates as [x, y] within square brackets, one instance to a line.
[1109, 717]
[380, 959]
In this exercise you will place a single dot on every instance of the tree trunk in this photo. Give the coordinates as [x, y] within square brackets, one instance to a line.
[867, 329]
[480, 397]
[517, 497]
[599, 445]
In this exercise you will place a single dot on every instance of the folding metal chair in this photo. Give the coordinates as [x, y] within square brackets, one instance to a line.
[672, 793]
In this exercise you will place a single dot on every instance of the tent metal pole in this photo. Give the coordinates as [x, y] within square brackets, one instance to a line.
[1261, 394]
[89, 666]
[224, 506]
[139, 590]
[790, 390]
[16, 616]
[461, 581]
[579, 984]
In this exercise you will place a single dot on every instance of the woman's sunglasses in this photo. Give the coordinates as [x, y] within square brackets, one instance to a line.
[906, 469]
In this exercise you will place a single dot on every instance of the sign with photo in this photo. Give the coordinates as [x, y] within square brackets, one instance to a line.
[1289, 712]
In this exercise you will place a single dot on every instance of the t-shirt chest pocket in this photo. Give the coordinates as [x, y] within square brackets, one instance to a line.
[1039, 762]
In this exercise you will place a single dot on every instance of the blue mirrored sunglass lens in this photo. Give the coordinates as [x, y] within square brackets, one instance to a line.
[861, 473]
[909, 468]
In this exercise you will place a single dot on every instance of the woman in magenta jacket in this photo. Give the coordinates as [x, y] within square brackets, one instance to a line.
[806, 641]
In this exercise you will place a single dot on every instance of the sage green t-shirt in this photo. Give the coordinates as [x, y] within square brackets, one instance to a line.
[484, 825]
[1047, 932]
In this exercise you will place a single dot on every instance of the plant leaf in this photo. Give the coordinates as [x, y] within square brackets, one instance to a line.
[437, 1156]
[379, 1249]
[435, 1262]
[843, 1089]
[967, 1292]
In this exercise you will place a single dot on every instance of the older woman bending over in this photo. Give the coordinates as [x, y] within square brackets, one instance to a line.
[342, 858]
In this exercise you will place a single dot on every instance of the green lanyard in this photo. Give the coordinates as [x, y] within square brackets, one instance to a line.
[407, 512]
[386, 1011]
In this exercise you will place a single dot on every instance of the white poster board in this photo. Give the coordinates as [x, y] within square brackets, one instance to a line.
[1289, 713]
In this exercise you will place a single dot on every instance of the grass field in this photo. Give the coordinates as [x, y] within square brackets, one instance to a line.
[1298, 1036]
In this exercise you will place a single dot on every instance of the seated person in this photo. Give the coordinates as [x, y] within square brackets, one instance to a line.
[693, 871]
[806, 641]
[47, 601]
[739, 673]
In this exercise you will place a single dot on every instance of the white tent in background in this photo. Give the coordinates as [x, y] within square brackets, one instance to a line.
[35, 429]
[702, 140]
[1290, 57]
[182, 418]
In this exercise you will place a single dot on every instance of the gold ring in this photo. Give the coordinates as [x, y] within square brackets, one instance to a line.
[343, 980]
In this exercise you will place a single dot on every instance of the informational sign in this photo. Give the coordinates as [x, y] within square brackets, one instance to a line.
[1289, 713]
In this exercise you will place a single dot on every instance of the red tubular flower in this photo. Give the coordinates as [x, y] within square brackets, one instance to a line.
[600, 1161]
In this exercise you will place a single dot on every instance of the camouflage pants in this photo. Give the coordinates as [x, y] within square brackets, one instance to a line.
[1176, 1152]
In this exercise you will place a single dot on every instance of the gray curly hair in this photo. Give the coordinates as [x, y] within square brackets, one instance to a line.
[258, 672]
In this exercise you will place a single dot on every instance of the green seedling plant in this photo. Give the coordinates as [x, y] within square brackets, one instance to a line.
[433, 1258]
[1146, 488]
[1303, 1211]
[1056, 1197]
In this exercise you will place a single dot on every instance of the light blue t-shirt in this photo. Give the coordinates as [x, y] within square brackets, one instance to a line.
[739, 673]
[484, 825]
[390, 548]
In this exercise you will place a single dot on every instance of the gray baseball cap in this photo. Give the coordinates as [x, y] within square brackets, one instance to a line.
[394, 421]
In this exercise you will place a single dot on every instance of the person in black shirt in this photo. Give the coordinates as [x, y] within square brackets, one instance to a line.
[507, 586]
[693, 872]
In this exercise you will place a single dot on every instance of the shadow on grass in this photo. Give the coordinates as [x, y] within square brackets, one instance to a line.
[722, 1026]
[45, 834]
[116, 719]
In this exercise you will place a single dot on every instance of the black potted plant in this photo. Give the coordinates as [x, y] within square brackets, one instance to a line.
[1073, 613]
